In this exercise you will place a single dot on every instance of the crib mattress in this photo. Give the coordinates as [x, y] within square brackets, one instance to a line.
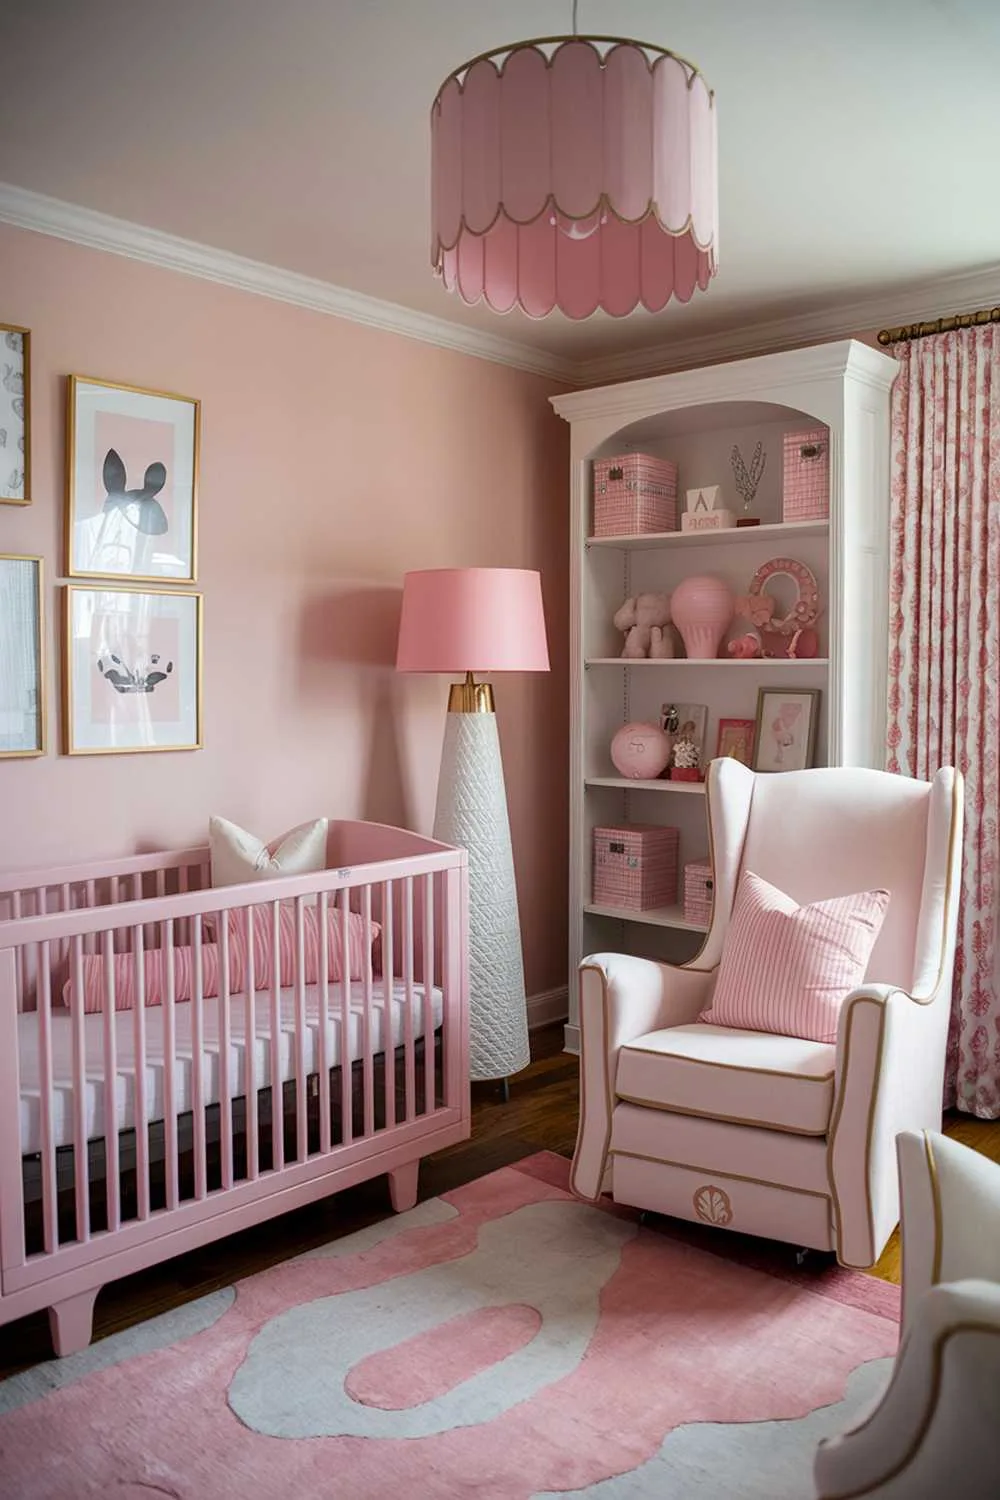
[125, 1108]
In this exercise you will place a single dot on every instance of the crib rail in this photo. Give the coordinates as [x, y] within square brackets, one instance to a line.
[168, 1050]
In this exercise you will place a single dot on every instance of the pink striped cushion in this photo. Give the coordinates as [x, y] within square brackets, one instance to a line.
[154, 971]
[357, 946]
[787, 968]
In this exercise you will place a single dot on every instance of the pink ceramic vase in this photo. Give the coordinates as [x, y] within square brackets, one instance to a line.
[701, 608]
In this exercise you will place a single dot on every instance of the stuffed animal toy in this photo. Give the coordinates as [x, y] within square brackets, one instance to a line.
[645, 619]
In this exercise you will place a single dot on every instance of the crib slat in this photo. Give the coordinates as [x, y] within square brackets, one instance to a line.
[198, 1061]
[225, 1080]
[389, 1008]
[91, 889]
[301, 1099]
[346, 1057]
[110, 1061]
[50, 1224]
[250, 1042]
[140, 1105]
[277, 1089]
[323, 918]
[170, 1064]
[427, 1003]
[81, 1175]
[368, 1063]
[409, 1060]
[454, 1031]
[16, 910]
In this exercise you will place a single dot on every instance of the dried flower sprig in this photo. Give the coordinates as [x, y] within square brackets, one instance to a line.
[748, 479]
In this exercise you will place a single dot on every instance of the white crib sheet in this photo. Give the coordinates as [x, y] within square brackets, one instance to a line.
[62, 1043]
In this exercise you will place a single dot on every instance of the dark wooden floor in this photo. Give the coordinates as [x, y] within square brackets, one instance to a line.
[541, 1116]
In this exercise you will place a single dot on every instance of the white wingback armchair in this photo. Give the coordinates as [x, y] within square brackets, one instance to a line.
[935, 1430]
[773, 1135]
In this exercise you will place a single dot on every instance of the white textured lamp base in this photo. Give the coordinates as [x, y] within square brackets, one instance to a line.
[472, 813]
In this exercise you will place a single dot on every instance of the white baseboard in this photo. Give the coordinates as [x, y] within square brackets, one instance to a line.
[548, 1007]
[571, 1041]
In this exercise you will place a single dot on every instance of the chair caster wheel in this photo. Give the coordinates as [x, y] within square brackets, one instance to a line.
[645, 1217]
[802, 1256]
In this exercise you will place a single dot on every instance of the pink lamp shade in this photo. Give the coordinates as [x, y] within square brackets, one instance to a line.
[575, 173]
[472, 620]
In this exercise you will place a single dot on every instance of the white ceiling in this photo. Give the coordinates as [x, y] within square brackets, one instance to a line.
[858, 138]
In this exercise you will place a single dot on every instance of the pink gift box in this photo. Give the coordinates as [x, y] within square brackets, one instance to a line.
[634, 494]
[635, 866]
[698, 891]
[805, 494]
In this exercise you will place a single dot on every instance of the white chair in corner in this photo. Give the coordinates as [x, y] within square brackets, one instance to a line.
[773, 1135]
[935, 1431]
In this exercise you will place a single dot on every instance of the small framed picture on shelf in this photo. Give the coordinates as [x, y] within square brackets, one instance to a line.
[685, 725]
[22, 657]
[735, 740]
[15, 415]
[785, 730]
[132, 670]
[132, 483]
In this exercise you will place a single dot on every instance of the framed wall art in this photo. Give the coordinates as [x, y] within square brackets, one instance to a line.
[785, 733]
[22, 657]
[15, 415]
[132, 483]
[132, 670]
[736, 739]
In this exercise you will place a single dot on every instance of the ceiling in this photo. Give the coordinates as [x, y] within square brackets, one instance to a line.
[858, 138]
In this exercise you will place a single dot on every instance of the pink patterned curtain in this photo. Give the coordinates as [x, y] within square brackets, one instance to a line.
[944, 648]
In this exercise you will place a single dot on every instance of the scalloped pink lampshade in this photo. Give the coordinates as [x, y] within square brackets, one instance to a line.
[472, 620]
[575, 173]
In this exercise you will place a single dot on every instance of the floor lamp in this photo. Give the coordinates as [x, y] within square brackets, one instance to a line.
[475, 620]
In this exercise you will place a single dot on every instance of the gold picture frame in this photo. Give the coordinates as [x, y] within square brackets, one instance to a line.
[12, 631]
[787, 744]
[118, 437]
[15, 414]
[118, 650]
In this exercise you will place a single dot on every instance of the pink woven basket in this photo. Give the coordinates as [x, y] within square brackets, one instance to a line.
[635, 866]
[698, 891]
[634, 494]
[805, 494]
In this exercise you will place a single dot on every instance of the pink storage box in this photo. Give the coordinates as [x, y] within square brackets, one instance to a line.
[635, 866]
[634, 493]
[805, 494]
[698, 891]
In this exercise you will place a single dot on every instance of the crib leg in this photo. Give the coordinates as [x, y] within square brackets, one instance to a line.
[403, 1186]
[71, 1323]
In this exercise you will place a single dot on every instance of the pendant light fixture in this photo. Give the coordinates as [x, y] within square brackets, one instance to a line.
[575, 172]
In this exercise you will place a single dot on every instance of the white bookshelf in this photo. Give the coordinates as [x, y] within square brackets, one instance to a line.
[695, 418]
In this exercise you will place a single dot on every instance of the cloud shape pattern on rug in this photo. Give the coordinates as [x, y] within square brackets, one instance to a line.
[293, 1380]
[754, 1460]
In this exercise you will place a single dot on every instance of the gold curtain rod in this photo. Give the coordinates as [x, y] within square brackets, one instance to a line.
[939, 325]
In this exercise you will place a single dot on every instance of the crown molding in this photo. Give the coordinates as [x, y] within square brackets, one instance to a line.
[913, 303]
[963, 292]
[98, 231]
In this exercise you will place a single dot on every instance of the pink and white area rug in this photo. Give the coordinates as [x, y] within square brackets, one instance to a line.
[501, 1341]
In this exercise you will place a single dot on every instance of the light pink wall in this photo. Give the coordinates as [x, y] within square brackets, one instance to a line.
[334, 457]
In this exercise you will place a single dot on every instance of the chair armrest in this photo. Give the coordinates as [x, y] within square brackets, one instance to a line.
[621, 997]
[889, 1078]
[950, 1214]
[936, 1424]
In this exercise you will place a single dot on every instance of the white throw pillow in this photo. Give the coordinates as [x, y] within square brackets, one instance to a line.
[238, 856]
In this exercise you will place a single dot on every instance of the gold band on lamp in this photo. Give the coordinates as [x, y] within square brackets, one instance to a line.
[471, 697]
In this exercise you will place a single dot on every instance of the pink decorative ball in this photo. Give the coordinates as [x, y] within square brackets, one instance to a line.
[641, 751]
[701, 608]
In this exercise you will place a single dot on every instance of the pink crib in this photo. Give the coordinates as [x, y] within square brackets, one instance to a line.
[256, 1083]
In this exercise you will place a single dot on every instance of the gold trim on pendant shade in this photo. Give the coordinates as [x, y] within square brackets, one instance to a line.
[103, 587]
[125, 579]
[26, 361]
[43, 717]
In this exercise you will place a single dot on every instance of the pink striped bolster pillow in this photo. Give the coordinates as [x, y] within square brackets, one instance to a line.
[155, 976]
[787, 968]
[358, 946]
